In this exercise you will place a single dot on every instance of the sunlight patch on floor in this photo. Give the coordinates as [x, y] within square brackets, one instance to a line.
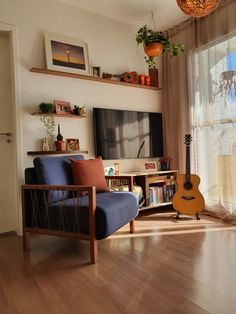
[167, 224]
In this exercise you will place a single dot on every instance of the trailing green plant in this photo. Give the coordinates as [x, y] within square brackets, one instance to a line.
[146, 36]
[49, 122]
[46, 107]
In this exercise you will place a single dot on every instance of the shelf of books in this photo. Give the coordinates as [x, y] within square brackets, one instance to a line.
[161, 193]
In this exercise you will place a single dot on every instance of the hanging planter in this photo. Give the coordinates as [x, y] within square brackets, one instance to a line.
[153, 49]
[150, 38]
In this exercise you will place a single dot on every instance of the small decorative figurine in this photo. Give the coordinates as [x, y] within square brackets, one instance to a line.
[45, 147]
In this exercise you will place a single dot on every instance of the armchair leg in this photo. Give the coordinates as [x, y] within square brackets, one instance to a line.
[131, 226]
[93, 251]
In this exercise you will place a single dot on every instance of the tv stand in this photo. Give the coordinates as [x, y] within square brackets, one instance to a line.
[158, 186]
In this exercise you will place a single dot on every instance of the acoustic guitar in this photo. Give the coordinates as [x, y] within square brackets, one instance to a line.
[188, 199]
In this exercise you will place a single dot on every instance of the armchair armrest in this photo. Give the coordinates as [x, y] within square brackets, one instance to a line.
[37, 212]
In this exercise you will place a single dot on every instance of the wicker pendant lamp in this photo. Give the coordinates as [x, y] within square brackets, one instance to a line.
[198, 8]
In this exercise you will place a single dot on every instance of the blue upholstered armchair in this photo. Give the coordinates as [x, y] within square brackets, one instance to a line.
[53, 205]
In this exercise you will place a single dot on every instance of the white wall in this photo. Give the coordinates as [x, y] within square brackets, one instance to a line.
[111, 45]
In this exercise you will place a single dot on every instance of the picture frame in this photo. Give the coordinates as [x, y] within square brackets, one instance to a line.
[62, 107]
[96, 71]
[150, 166]
[66, 54]
[72, 144]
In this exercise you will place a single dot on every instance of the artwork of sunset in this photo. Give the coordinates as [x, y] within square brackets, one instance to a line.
[67, 55]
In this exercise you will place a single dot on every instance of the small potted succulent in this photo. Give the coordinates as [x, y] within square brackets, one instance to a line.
[154, 43]
[60, 144]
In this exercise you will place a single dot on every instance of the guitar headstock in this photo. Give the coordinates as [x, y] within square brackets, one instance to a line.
[188, 139]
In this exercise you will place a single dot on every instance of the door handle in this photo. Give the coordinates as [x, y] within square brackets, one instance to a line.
[5, 134]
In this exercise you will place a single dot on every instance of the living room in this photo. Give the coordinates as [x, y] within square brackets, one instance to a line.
[167, 262]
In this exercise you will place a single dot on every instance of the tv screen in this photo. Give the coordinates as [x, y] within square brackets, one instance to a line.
[127, 134]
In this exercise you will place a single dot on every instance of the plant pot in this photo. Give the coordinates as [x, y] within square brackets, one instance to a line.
[60, 145]
[153, 50]
[165, 166]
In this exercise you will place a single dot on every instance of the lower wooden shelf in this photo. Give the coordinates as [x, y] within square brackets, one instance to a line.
[64, 152]
[158, 187]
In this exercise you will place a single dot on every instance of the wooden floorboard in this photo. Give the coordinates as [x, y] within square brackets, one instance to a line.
[166, 266]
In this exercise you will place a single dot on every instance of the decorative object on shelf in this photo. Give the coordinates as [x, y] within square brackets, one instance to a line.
[117, 168]
[72, 144]
[142, 79]
[153, 73]
[109, 171]
[62, 107]
[66, 54]
[96, 71]
[128, 77]
[79, 111]
[60, 144]
[147, 80]
[45, 147]
[165, 163]
[149, 38]
[46, 107]
[150, 166]
[197, 8]
[109, 76]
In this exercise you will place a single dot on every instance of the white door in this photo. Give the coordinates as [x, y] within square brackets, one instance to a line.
[8, 194]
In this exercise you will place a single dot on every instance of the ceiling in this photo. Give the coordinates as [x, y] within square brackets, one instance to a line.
[136, 12]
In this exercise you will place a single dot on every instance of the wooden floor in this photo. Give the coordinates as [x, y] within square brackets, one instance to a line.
[167, 266]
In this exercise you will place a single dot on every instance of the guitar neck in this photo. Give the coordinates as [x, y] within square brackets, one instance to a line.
[188, 172]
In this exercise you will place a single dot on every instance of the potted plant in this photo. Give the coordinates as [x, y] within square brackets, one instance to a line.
[45, 107]
[165, 163]
[154, 43]
[60, 144]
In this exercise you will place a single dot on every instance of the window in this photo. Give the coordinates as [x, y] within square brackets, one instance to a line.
[212, 77]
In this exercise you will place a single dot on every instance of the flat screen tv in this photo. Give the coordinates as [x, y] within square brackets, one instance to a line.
[121, 134]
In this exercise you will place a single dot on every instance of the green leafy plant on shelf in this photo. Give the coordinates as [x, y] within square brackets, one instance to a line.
[46, 107]
[154, 43]
[46, 110]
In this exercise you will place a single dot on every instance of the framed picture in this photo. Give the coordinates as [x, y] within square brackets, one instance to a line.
[62, 107]
[66, 54]
[72, 144]
[96, 71]
[150, 166]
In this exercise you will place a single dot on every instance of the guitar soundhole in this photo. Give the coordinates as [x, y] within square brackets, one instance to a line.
[188, 185]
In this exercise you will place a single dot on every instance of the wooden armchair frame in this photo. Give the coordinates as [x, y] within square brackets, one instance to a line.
[76, 190]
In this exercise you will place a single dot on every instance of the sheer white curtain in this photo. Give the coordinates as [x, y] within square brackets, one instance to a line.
[212, 76]
[199, 96]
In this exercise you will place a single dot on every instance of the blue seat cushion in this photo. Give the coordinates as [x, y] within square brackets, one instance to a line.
[55, 171]
[113, 210]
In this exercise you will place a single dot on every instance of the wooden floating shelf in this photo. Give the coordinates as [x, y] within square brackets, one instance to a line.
[54, 152]
[69, 115]
[91, 78]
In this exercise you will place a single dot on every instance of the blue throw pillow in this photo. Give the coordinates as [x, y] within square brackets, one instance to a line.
[55, 171]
